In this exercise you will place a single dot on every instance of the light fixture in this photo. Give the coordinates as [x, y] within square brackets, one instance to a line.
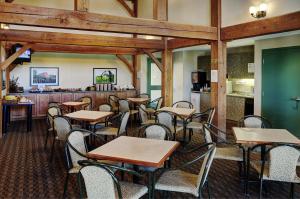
[258, 12]
[4, 26]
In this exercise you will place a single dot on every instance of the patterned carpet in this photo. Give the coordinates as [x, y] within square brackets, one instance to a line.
[27, 173]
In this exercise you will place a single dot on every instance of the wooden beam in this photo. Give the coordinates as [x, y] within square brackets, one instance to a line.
[127, 8]
[218, 65]
[126, 62]
[57, 18]
[155, 60]
[78, 39]
[266, 26]
[9, 1]
[167, 74]
[81, 5]
[59, 48]
[13, 57]
[160, 10]
[182, 43]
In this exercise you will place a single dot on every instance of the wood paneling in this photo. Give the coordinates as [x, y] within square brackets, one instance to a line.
[55, 97]
[67, 97]
[270, 25]
[57, 18]
[78, 39]
[42, 104]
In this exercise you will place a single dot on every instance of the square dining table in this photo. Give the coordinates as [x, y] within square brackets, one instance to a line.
[253, 136]
[138, 100]
[72, 106]
[182, 112]
[137, 151]
[88, 116]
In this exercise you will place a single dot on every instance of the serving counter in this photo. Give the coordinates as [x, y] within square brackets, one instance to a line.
[41, 100]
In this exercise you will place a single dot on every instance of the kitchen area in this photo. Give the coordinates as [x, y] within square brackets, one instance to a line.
[239, 82]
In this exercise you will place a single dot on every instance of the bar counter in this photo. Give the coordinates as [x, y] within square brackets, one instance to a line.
[42, 99]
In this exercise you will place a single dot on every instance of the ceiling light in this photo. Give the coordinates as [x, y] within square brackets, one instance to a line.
[4, 26]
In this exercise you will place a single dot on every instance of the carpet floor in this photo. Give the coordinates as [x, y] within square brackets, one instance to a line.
[26, 171]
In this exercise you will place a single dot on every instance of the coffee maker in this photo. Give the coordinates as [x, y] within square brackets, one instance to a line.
[198, 80]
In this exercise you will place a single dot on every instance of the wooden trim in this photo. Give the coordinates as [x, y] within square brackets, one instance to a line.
[160, 10]
[155, 60]
[57, 18]
[78, 39]
[126, 62]
[59, 48]
[182, 43]
[270, 25]
[13, 57]
[127, 8]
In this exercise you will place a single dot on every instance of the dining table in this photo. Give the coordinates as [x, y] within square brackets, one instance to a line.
[137, 151]
[72, 106]
[249, 137]
[138, 100]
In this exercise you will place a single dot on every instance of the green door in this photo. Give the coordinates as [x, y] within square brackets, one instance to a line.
[281, 83]
[153, 80]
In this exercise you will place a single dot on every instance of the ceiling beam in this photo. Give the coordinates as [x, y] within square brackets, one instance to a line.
[155, 60]
[57, 18]
[126, 62]
[9, 1]
[13, 57]
[128, 9]
[270, 25]
[78, 39]
[182, 43]
[59, 48]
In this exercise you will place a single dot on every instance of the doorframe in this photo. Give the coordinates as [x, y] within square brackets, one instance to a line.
[149, 86]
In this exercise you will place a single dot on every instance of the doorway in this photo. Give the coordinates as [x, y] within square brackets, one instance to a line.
[153, 80]
[280, 84]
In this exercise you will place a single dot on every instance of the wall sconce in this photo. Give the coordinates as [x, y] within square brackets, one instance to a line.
[258, 12]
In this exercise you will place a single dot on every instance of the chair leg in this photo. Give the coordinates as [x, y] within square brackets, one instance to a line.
[292, 191]
[240, 168]
[208, 190]
[261, 188]
[52, 149]
[46, 141]
[66, 185]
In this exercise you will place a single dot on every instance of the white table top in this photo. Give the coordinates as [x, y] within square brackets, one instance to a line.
[263, 136]
[184, 112]
[90, 116]
[138, 151]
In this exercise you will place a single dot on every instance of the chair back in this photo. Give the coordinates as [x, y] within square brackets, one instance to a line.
[62, 126]
[211, 115]
[113, 101]
[51, 114]
[76, 148]
[123, 105]
[206, 165]
[105, 108]
[123, 123]
[214, 134]
[54, 104]
[165, 118]
[143, 114]
[155, 131]
[207, 135]
[100, 182]
[88, 100]
[159, 103]
[183, 104]
[283, 162]
[144, 95]
[254, 121]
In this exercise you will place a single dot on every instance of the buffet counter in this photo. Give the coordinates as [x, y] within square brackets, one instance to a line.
[42, 99]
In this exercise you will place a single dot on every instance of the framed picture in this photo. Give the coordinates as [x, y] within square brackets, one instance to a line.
[48, 76]
[105, 75]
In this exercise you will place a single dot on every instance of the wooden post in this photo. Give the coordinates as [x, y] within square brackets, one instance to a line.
[136, 59]
[167, 74]
[160, 10]
[2, 58]
[81, 5]
[218, 67]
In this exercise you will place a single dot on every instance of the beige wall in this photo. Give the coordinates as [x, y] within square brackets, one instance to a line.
[75, 70]
[267, 44]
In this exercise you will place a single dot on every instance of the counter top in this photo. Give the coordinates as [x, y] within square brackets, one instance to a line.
[240, 95]
[53, 92]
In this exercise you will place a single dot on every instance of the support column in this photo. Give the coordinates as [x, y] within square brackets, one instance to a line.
[2, 58]
[167, 75]
[136, 59]
[218, 67]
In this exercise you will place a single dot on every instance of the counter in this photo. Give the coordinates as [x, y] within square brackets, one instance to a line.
[41, 100]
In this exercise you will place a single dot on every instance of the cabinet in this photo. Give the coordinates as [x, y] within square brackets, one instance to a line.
[66, 97]
[42, 104]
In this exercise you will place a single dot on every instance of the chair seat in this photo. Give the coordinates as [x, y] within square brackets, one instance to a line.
[194, 125]
[150, 110]
[229, 153]
[107, 131]
[132, 191]
[257, 166]
[77, 168]
[149, 122]
[178, 181]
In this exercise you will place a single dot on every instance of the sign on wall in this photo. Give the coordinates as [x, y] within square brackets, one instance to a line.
[48, 76]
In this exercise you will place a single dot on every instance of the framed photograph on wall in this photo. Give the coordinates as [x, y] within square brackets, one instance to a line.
[105, 75]
[48, 76]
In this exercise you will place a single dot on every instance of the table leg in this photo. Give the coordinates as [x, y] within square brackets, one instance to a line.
[151, 183]
[4, 120]
[29, 118]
